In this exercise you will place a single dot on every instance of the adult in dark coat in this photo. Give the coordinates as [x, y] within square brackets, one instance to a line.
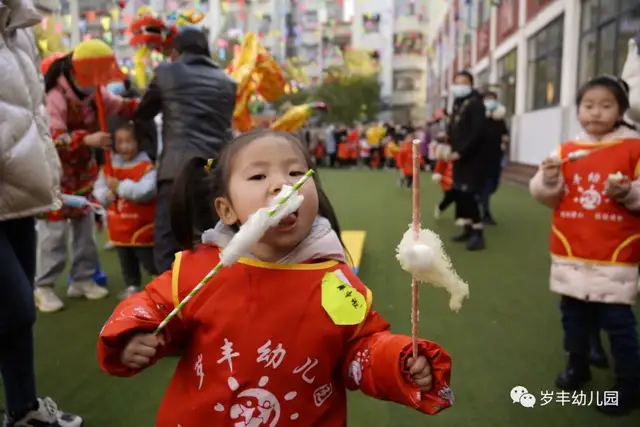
[196, 99]
[496, 137]
[466, 128]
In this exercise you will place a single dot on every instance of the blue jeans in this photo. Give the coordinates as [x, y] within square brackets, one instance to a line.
[17, 313]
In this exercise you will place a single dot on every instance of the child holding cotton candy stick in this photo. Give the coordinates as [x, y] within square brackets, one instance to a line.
[287, 329]
[594, 243]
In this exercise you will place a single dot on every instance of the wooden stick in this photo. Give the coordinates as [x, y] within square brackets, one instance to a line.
[102, 119]
[415, 297]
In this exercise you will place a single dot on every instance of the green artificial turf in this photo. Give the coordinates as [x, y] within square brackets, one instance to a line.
[507, 334]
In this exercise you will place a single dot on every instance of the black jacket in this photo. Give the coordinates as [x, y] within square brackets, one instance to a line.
[494, 132]
[466, 133]
[196, 99]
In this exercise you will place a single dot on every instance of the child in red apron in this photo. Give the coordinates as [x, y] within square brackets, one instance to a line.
[279, 336]
[128, 193]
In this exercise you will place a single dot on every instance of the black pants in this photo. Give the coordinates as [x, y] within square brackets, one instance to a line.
[17, 314]
[332, 159]
[490, 186]
[447, 200]
[467, 206]
[407, 181]
[165, 245]
[579, 319]
[131, 258]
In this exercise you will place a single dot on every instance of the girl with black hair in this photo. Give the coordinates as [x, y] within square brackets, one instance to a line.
[595, 245]
[74, 130]
[295, 325]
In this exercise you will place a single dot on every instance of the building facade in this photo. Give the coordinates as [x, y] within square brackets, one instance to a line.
[535, 54]
[397, 32]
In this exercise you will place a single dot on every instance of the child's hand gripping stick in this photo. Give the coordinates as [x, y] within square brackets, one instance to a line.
[285, 203]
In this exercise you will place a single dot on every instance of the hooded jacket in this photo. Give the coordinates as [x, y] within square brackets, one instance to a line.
[29, 166]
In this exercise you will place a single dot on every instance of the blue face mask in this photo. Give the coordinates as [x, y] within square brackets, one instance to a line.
[460, 91]
[116, 87]
[490, 104]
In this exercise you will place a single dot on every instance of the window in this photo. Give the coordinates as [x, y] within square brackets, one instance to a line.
[371, 23]
[507, 68]
[265, 24]
[484, 12]
[311, 52]
[482, 80]
[606, 27]
[405, 7]
[545, 66]
[405, 81]
[408, 44]
[310, 18]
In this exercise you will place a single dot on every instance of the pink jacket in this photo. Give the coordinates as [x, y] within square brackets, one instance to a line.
[67, 112]
[613, 284]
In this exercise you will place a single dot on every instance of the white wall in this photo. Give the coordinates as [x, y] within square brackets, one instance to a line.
[534, 133]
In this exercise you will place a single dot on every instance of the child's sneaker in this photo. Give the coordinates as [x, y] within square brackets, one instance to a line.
[131, 290]
[46, 299]
[47, 415]
[87, 289]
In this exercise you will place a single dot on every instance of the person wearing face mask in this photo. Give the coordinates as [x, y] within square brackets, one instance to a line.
[466, 135]
[496, 136]
[75, 131]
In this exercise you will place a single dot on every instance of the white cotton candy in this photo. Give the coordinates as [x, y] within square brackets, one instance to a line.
[578, 154]
[436, 177]
[257, 224]
[287, 208]
[426, 259]
[616, 177]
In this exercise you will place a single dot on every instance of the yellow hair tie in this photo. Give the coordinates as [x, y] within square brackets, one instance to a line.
[208, 166]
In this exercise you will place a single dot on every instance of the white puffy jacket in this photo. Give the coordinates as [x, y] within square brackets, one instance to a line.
[29, 163]
[631, 74]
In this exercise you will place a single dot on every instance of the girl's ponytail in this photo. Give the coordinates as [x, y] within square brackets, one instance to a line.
[191, 189]
[55, 70]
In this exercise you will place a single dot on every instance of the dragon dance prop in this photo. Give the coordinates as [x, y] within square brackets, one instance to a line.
[296, 116]
[422, 254]
[149, 33]
[253, 69]
[94, 64]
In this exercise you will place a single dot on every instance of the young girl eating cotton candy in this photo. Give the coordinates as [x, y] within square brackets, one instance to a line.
[593, 185]
[278, 337]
